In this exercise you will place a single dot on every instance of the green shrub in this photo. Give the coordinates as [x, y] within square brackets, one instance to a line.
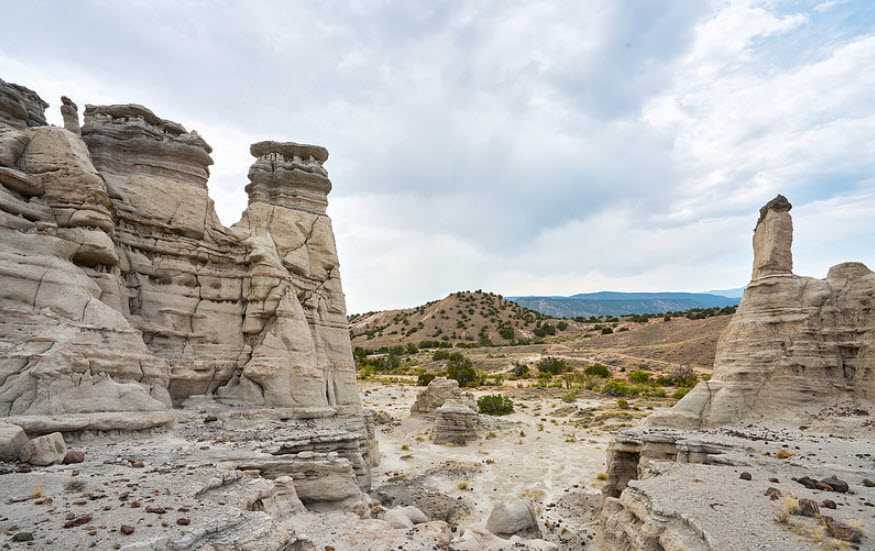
[520, 371]
[439, 355]
[495, 404]
[680, 393]
[562, 326]
[597, 371]
[424, 379]
[620, 388]
[570, 396]
[553, 366]
[639, 377]
[506, 332]
[544, 330]
[622, 403]
[412, 348]
[607, 331]
[462, 370]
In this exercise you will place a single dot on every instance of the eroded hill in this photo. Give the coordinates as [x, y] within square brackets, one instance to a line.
[467, 317]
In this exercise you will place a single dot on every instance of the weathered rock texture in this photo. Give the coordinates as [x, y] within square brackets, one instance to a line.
[455, 423]
[122, 294]
[712, 489]
[438, 391]
[515, 517]
[70, 113]
[796, 344]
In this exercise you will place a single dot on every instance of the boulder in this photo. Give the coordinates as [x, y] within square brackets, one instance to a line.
[12, 441]
[438, 391]
[397, 519]
[44, 450]
[515, 517]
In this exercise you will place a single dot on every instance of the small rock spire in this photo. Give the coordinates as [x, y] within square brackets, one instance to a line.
[70, 112]
[773, 239]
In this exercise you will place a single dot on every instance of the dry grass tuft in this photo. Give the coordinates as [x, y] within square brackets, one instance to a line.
[785, 454]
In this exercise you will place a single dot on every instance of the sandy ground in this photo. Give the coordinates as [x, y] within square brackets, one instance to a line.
[537, 452]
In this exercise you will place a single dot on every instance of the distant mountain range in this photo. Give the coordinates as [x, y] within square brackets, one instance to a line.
[609, 303]
[731, 293]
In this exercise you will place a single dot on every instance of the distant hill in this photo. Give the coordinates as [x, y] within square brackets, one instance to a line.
[609, 303]
[731, 293]
[466, 317]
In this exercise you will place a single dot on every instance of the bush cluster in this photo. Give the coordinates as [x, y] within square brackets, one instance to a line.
[553, 366]
[597, 371]
[495, 404]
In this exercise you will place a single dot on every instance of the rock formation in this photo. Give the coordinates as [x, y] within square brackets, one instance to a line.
[438, 391]
[70, 113]
[455, 423]
[797, 353]
[123, 295]
[796, 344]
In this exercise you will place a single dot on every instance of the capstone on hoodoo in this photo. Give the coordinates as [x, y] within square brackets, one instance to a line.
[123, 295]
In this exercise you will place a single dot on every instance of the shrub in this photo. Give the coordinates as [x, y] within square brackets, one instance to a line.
[622, 404]
[570, 396]
[607, 331]
[412, 348]
[506, 332]
[462, 370]
[639, 377]
[439, 355]
[424, 379]
[495, 404]
[553, 366]
[544, 330]
[597, 371]
[684, 376]
[562, 326]
[520, 371]
[620, 388]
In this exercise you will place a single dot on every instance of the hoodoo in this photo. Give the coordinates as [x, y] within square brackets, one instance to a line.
[795, 345]
[123, 295]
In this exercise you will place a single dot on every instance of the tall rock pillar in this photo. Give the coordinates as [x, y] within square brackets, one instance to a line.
[773, 239]
[295, 311]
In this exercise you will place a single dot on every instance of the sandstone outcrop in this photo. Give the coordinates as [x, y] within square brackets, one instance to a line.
[712, 489]
[124, 296]
[438, 391]
[797, 353]
[796, 344]
[455, 423]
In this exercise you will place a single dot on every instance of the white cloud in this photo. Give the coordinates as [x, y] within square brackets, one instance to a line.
[523, 148]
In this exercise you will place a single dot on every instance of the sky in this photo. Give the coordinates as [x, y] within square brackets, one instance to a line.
[518, 147]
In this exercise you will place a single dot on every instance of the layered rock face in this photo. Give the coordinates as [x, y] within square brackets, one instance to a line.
[795, 345]
[122, 294]
[455, 423]
[67, 352]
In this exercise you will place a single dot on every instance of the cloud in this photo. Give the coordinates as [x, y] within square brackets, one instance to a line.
[538, 147]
